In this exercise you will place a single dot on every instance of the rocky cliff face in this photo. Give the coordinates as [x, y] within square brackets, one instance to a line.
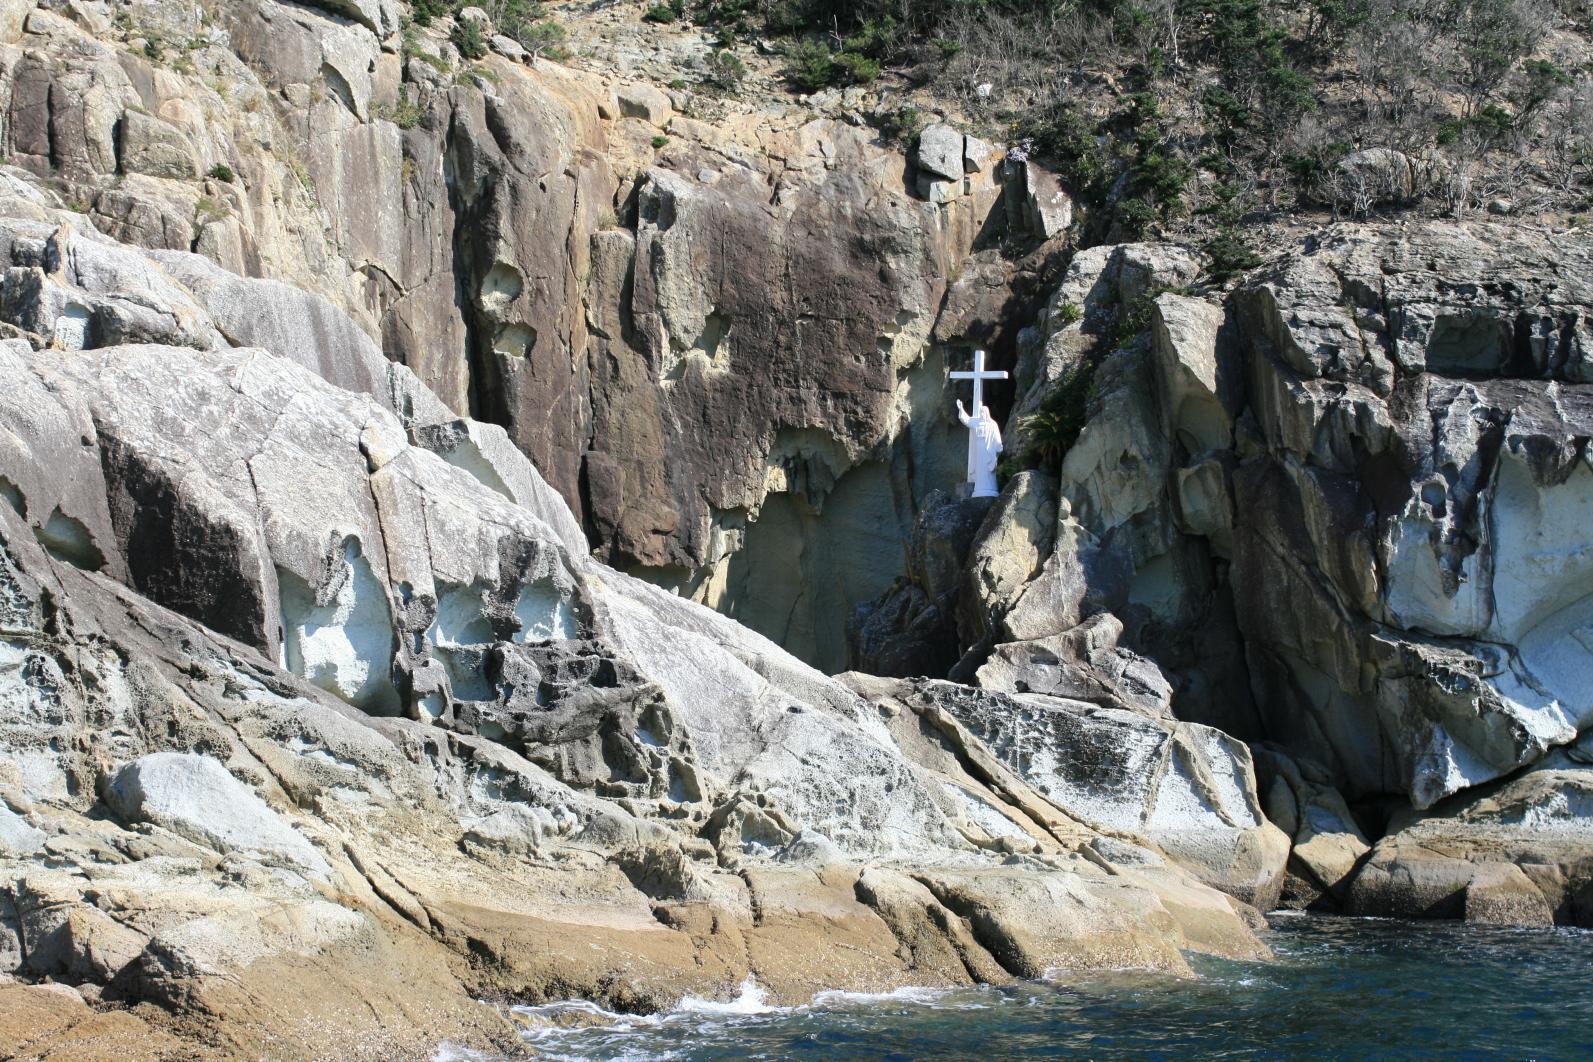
[1338, 509]
[323, 723]
[722, 344]
[278, 645]
[361, 395]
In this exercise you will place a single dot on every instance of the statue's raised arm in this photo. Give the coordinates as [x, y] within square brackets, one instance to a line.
[962, 414]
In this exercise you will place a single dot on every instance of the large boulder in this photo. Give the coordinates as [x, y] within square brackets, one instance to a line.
[1008, 550]
[1084, 663]
[1188, 789]
[195, 797]
[1514, 853]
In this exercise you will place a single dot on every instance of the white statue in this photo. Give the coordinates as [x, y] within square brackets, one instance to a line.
[984, 437]
[984, 444]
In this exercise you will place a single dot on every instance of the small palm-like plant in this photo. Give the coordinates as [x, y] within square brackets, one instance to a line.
[1050, 431]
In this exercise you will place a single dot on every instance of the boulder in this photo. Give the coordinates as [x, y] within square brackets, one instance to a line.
[642, 101]
[197, 798]
[977, 154]
[1195, 380]
[1375, 175]
[509, 48]
[76, 289]
[1036, 201]
[379, 16]
[1084, 663]
[1188, 789]
[1011, 545]
[17, 836]
[303, 327]
[147, 145]
[1514, 853]
[941, 152]
[1328, 842]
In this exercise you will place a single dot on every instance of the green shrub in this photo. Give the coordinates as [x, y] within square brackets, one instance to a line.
[1063, 139]
[664, 14]
[878, 38]
[222, 172]
[1051, 430]
[733, 18]
[403, 113]
[544, 38]
[468, 38]
[857, 69]
[1314, 168]
[811, 65]
[514, 17]
[903, 125]
[725, 71]
[1540, 81]
[426, 10]
[1489, 125]
[659, 141]
[1230, 255]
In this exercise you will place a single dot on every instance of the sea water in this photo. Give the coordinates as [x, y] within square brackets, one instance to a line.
[1339, 988]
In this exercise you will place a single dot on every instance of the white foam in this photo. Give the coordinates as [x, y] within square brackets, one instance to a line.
[924, 997]
[752, 999]
[447, 1052]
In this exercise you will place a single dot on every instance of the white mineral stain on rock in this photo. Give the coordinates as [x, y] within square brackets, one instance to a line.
[341, 639]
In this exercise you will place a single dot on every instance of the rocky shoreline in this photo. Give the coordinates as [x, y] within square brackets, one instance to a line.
[329, 713]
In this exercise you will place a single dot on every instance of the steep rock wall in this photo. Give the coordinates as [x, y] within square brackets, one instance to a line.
[1343, 508]
[452, 753]
[669, 315]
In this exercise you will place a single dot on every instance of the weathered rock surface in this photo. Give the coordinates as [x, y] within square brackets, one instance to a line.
[1188, 789]
[911, 628]
[301, 680]
[1342, 509]
[1084, 663]
[1328, 843]
[1513, 853]
[194, 797]
[719, 350]
[332, 356]
[1436, 499]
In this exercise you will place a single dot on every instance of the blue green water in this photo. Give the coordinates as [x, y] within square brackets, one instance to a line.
[1340, 988]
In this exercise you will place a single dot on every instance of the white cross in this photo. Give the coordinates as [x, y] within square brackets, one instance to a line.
[979, 376]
